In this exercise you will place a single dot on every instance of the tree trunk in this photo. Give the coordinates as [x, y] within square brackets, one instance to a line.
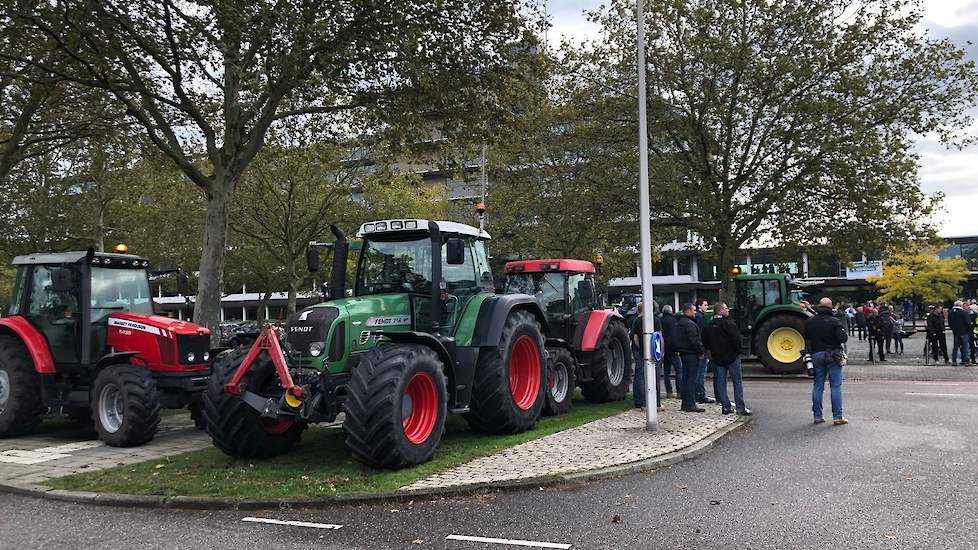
[211, 281]
[724, 264]
[263, 305]
[293, 294]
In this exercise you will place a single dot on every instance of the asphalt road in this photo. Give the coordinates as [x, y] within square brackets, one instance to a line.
[901, 475]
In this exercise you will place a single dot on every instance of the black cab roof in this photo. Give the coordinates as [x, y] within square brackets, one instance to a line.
[110, 259]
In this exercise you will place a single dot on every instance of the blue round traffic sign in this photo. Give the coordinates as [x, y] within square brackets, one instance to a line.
[657, 346]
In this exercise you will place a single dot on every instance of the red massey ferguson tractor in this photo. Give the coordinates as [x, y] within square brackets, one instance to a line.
[82, 338]
[587, 346]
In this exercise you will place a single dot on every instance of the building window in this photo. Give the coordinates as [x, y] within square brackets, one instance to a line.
[707, 268]
[663, 268]
[685, 265]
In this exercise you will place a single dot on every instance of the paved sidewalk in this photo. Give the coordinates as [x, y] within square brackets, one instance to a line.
[32, 460]
[614, 441]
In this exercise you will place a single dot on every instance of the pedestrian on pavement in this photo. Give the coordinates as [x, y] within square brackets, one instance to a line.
[898, 325]
[874, 331]
[851, 315]
[861, 322]
[973, 333]
[935, 333]
[907, 309]
[886, 328]
[638, 353]
[722, 339]
[670, 358]
[960, 322]
[701, 309]
[689, 345]
[824, 337]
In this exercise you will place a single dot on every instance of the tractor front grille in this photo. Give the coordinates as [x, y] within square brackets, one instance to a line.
[197, 344]
[309, 326]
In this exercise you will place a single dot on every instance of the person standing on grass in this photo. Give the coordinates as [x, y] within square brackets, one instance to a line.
[689, 345]
[670, 358]
[824, 337]
[722, 339]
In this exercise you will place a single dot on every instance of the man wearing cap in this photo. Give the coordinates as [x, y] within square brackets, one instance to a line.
[824, 337]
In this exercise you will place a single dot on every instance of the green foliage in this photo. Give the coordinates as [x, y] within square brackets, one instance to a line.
[787, 121]
[7, 274]
[916, 272]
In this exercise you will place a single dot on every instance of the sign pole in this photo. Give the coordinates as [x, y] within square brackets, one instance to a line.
[645, 232]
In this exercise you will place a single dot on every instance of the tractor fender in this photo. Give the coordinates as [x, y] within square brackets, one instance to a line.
[33, 340]
[770, 311]
[115, 358]
[589, 332]
[458, 374]
[494, 312]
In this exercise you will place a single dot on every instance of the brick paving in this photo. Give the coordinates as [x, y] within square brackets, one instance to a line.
[32, 460]
[613, 441]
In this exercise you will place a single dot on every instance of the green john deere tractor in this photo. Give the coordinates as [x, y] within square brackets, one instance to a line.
[771, 321]
[421, 335]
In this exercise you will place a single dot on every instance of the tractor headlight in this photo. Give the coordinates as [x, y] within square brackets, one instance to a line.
[316, 349]
[206, 357]
[191, 357]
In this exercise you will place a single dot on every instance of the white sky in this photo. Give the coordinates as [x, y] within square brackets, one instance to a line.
[953, 172]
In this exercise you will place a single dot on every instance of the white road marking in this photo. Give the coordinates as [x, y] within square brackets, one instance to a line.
[25, 457]
[293, 523]
[973, 396]
[71, 447]
[509, 542]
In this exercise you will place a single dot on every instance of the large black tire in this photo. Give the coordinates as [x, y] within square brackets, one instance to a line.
[20, 389]
[125, 405]
[395, 406]
[785, 357]
[237, 429]
[610, 366]
[497, 407]
[561, 377]
[196, 408]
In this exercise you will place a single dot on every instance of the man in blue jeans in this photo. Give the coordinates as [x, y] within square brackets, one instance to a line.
[670, 359]
[960, 322]
[722, 339]
[824, 336]
[702, 307]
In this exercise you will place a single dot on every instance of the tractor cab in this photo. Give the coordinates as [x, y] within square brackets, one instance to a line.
[564, 289]
[770, 320]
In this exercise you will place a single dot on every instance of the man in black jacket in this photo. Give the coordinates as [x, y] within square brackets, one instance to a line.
[824, 337]
[722, 339]
[670, 357]
[935, 333]
[690, 348]
[960, 322]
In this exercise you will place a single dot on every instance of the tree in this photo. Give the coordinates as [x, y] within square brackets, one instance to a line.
[206, 81]
[783, 122]
[915, 272]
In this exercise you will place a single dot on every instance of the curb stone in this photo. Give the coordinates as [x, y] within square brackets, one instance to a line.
[230, 503]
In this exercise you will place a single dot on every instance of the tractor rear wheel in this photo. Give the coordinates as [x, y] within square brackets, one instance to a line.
[610, 366]
[508, 391]
[560, 382]
[237, 429]
[395, 406]
[20, 389]
[125, 405]
[778, 343]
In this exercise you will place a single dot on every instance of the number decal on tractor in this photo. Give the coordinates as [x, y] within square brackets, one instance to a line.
[389, 321]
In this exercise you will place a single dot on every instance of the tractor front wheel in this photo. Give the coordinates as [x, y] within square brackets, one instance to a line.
[235, 427]
[560, 382]
[125, 405]
[510, 379]
[610, 366]
[778, 343]
[20, 390]
[395, 406]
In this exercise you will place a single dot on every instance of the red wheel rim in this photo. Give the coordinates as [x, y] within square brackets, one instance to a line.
[275, 427]
[419, 408]
[524, 372]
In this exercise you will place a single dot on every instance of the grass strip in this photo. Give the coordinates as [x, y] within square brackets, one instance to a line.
[319, 466]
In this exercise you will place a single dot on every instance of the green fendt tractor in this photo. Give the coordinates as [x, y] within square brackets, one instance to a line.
[771, 321]
[422, 335]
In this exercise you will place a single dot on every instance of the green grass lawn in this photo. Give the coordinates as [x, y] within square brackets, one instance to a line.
[319, 466]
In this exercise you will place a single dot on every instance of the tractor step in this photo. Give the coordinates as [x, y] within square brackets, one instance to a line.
[459, 410]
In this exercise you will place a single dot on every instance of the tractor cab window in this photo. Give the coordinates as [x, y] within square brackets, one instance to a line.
[119, 290]
[461, 282]
[772, 292]
[18, 294]
[392, 267]
[580, 288]
[546, 288]
[55, 314]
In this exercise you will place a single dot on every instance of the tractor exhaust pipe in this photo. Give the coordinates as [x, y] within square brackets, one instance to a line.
[341, 251]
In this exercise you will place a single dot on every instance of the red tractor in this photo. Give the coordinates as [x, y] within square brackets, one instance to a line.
[587, 345]
[81, 337]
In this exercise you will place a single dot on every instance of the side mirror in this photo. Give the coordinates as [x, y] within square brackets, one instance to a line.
[455, 253]
[183, 284]
[585, 291]
[62, 280]
[312, 259]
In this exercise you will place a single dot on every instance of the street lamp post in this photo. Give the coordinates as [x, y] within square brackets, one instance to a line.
[645, 232]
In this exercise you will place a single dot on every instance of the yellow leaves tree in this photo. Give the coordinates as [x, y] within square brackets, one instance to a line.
[916, 273]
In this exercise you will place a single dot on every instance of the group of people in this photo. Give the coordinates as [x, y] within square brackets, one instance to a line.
[691, 344]
[963, 322]
[880, 324]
